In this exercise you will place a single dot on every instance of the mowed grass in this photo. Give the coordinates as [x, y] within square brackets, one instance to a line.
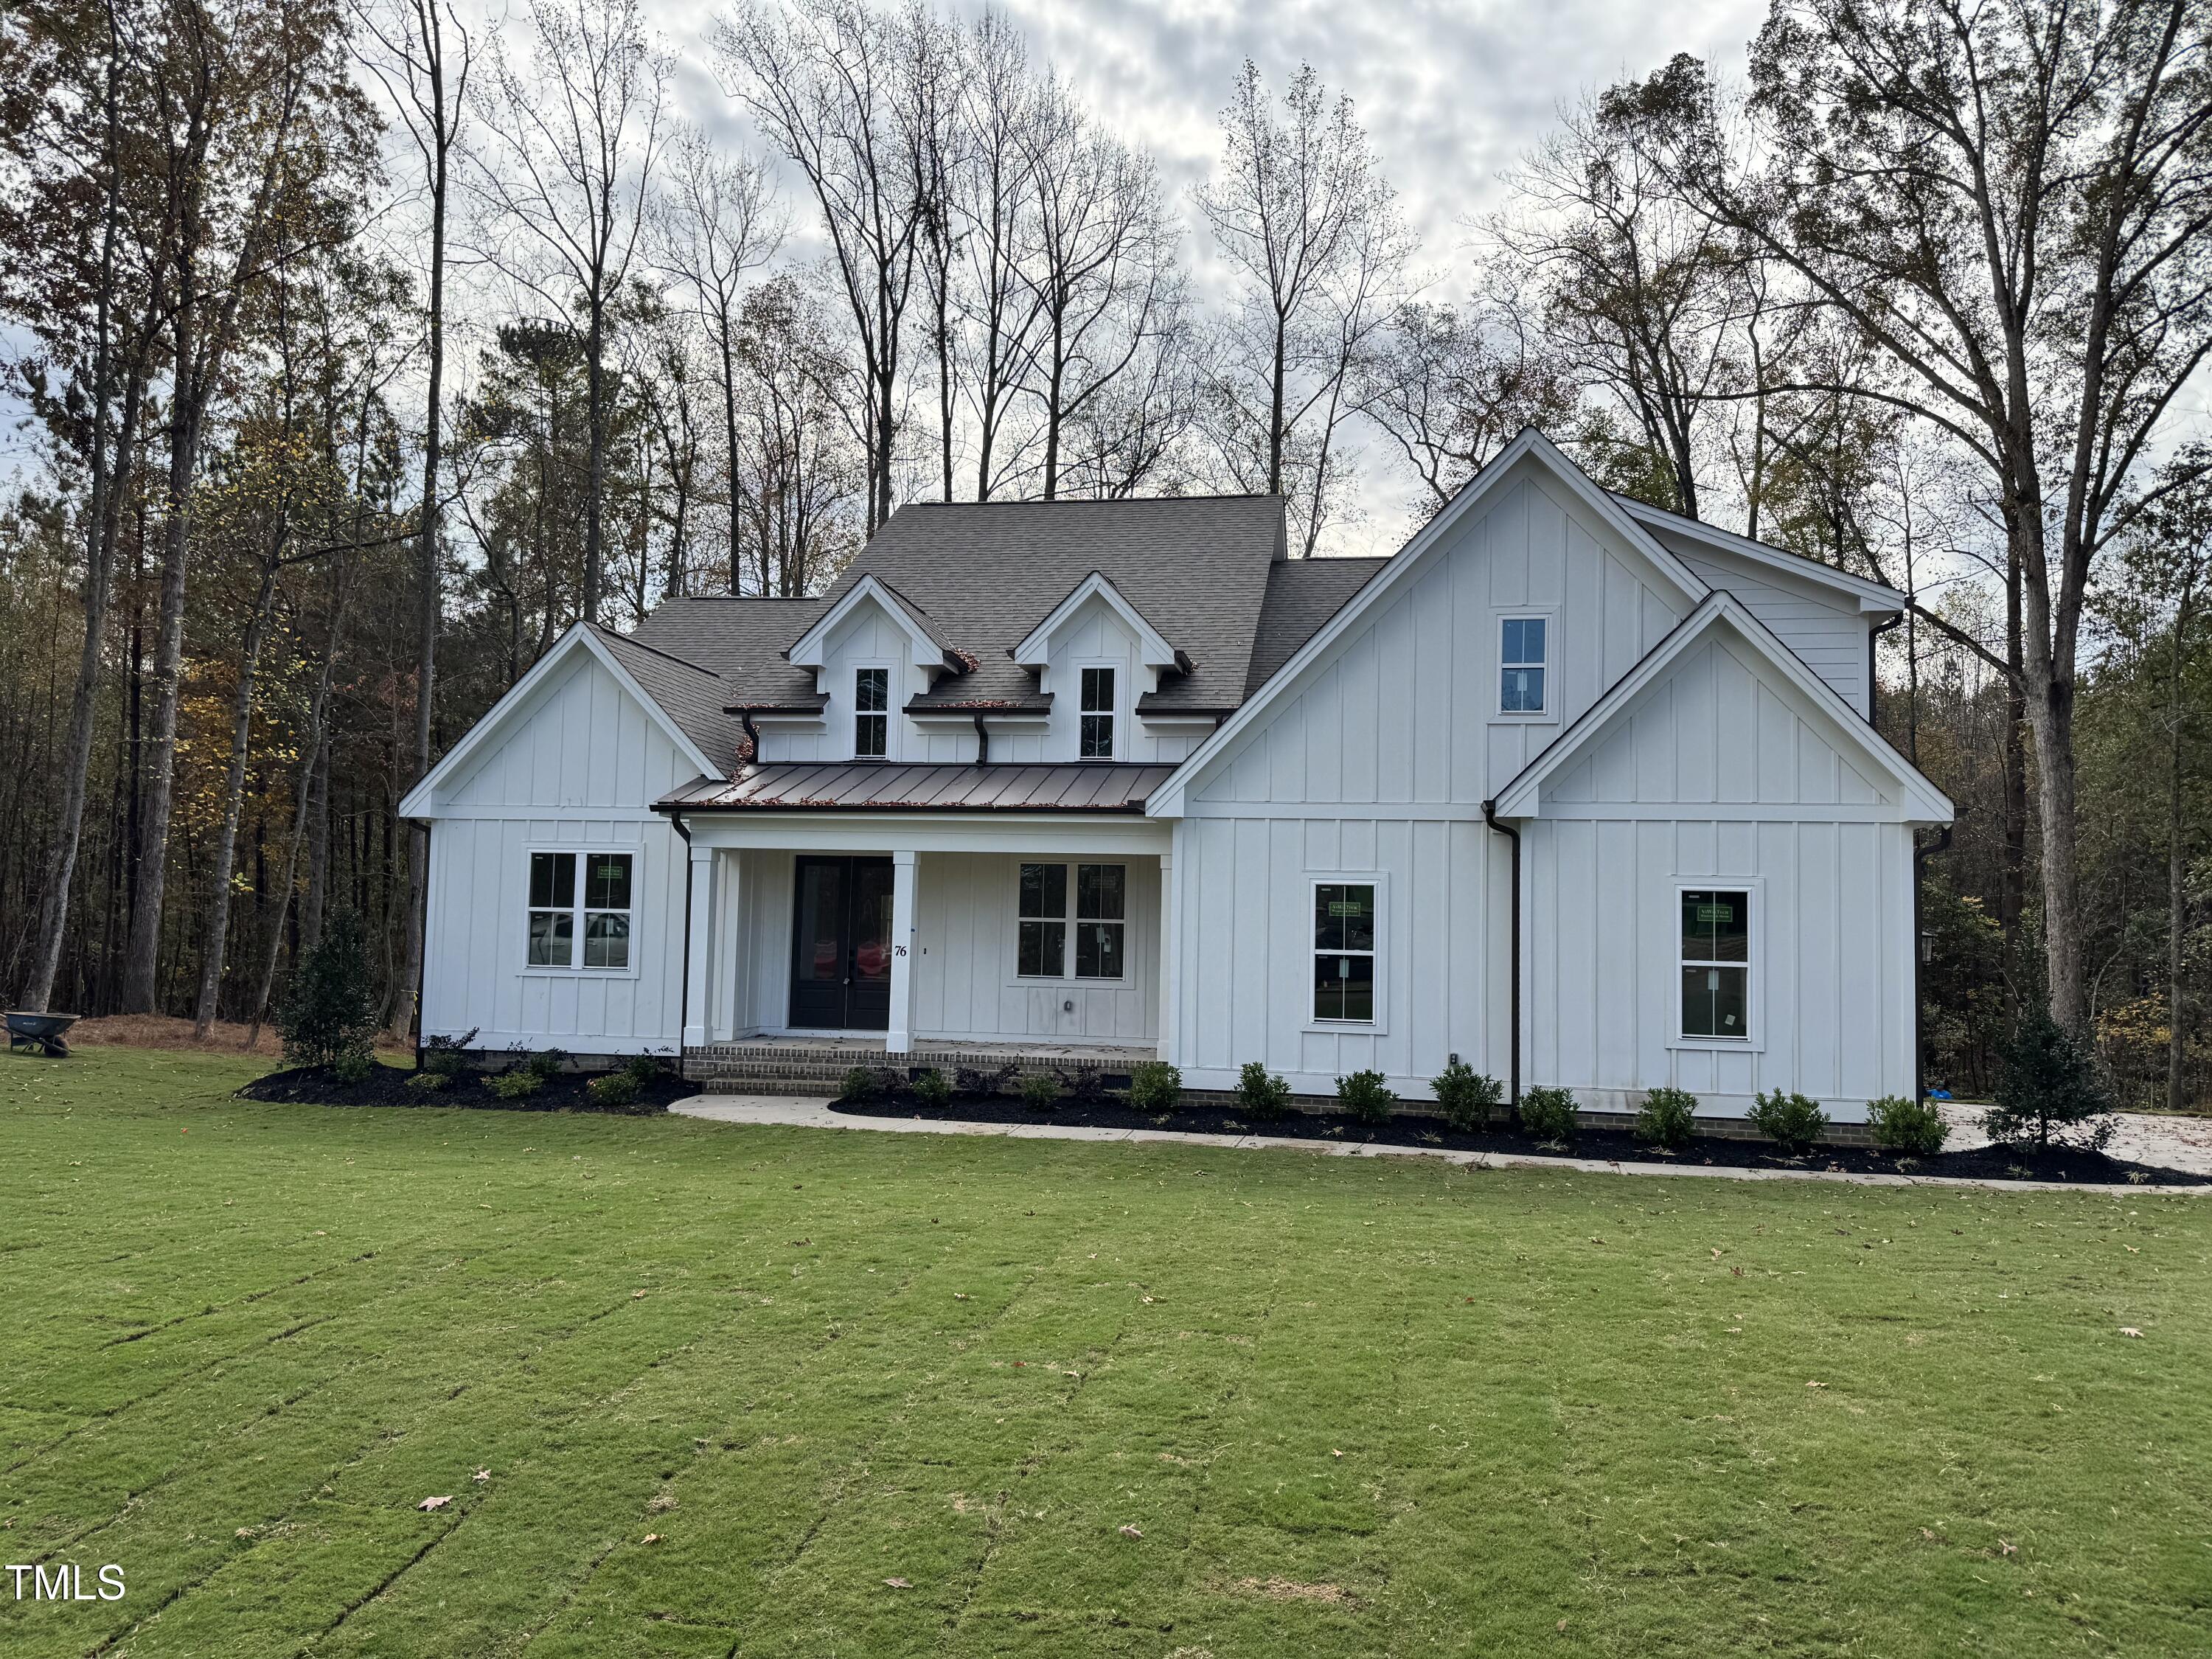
[730, 1383]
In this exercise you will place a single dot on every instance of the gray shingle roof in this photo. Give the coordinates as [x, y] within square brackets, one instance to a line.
[1302, 594]
[890, 786]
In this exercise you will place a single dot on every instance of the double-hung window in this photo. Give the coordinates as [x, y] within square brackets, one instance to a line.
[587, 907]
[1343, 951]
[871, 718]
[1716, 963]
[1097, 737]
[1100, 921]
[1522, 660]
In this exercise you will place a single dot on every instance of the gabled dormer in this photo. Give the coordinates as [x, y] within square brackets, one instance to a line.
[871, 652]
[1096, 657]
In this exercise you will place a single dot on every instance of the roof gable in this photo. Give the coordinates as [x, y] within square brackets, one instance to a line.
[1725, 547]
[1152, 648]
[1920, 800]
[931, 649]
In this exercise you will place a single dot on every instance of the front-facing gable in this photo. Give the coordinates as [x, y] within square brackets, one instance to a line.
[1396, 697]
[1723, 715]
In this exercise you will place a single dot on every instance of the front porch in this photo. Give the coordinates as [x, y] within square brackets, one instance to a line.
[816, 943]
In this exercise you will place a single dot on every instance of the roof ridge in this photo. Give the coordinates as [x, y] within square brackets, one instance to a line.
[632, 639]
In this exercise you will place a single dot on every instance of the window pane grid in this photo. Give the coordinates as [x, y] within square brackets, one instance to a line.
[1096, 721]
[1099, 922]
[1343, 951]
[871, 719]
[557, 921]
[1715, 956]
[1522, 658]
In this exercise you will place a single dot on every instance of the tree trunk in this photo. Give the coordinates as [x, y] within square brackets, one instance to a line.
[233, 798]
[729, 438]
[318, 847]
[2176, 895]
[596, 383]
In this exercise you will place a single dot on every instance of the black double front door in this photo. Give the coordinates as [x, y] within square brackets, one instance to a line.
[841, 960]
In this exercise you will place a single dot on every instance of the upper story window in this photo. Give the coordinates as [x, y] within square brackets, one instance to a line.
[871, 719]
[1097, 739]
[1522, 659]
[600, 922]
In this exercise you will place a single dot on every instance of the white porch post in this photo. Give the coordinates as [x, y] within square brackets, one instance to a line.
[699, 950]
[899, 1038]
[1170, 975]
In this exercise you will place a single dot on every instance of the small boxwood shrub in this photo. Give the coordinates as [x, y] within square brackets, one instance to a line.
[1793, 1122]
[932, 1088]
[1155, 1087]
[865, 1082]
[446, 1056]
[518, 1084]
[429, 1080]
[1040, 1090]
[1549, 1113]
[1668, 1117]
[1366, 1096]
[1465, 1096]
[545, 1065]
[1914, 1128]
[1260, 1095]
[613, 1091]
[354, 1067]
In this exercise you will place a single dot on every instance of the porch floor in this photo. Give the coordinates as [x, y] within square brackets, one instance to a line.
[860, 1043]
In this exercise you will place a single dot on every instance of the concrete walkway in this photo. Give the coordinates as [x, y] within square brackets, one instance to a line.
[796, 1111]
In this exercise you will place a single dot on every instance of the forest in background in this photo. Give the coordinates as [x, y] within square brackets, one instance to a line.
[368, 344]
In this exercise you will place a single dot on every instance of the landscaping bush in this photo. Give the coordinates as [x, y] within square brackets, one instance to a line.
[932, 1088]
[545, 1064]
[429, 1080]
[354, 1067]
[1155, 1087]
[518, 1084]
[1549, 1114]
[1366, 1096]
[2050, 1092]
[1668, 1117]
[613, 1089]
[329, 1010]
[1793, 1122]
[1466, 1096]
[970, 1081]
[1040, 1090]
[1260, 1094]
[1913, 1126]
[646, 1070]
[865, 1082]
[446, 1056]
[1085, 1088]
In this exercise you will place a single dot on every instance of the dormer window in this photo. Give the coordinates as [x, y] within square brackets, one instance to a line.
[871, 719]
[1097, 738]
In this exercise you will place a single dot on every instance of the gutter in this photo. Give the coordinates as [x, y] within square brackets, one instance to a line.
[1874, 637]
[1920, 857]
[982, 741]
[1513, 977]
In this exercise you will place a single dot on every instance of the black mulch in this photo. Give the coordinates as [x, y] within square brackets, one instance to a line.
[1986, 1163]
[389, 1085]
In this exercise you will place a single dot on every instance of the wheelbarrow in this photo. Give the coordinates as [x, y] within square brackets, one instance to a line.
[40, 1031]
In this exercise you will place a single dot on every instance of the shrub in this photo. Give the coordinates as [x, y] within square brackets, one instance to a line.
[545, 1065]
[2050, 1091]
[1366, 1096]
[932, 1088]
[866, 1083]
[1668, 1117]
[1085, 1088]
[446, 1056]
[354, 1067]
[328, 1010]
[1549, 1113]
[1040, 1090]
[1260, 1095]
[1911, 1126]
[1793, 1122]
[518, 1084]
[429, 1080]
[970, 1081]
[1466, 1096]
[645, 1070]
[1155, 1087]
[613, 1088]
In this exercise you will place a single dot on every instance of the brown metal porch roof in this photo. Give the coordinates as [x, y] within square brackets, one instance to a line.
[892, 786]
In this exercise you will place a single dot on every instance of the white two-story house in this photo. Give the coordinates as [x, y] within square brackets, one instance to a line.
[1582, 792]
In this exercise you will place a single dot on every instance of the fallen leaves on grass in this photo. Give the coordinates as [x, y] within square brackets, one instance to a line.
[2129, 1330]
[1132, 1532]
[897, 1583]
[481, 1474]
[435, 1502]
[1816, 1385]
[650, 1538]
[1290, 1589]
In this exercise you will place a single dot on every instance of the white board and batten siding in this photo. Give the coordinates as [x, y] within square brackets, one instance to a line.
[1376, 761]
[1720, 775]
[578, 768]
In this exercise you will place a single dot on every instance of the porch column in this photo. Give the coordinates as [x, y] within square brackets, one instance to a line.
[1171, 973]
[899, 1038]
[699, 950]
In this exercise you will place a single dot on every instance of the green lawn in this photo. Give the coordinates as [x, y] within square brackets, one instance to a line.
[1351, 1408]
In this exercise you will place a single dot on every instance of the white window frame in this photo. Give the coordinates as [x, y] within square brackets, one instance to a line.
[890, 695]
[1070, 921]
[1308, 950]
[575, 968]
[1550, 712]
[1121, 673]
[1754, 1042]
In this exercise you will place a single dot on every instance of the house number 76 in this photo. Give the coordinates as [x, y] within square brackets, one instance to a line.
[898, 950]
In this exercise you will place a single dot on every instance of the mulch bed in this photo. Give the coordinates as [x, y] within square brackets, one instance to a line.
[389, 1085]
[1983, 1163]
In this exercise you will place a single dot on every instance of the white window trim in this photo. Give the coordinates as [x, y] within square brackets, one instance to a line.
[1021, 981]
[1754, 1000]
[1121, 671]
[891, 720]
[1380, 1025]
[575, 969]
[1549, 713]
